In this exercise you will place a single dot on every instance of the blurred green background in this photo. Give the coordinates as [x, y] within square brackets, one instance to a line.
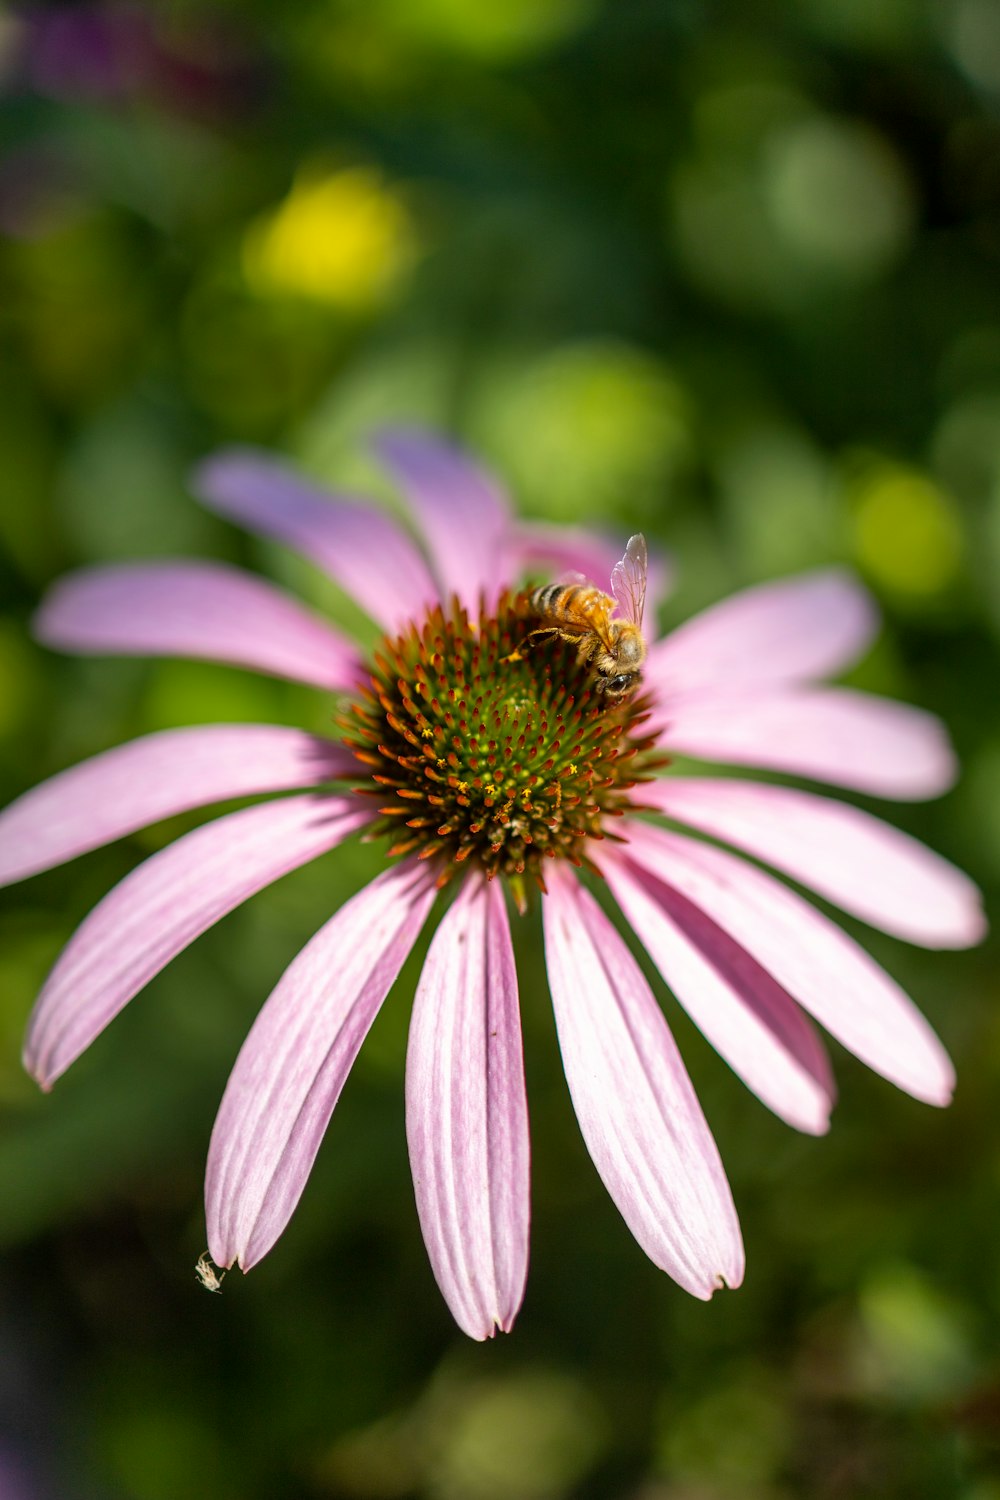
[726, 271]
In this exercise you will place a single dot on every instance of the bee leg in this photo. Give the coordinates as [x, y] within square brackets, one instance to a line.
[533, 637]
[517, 654]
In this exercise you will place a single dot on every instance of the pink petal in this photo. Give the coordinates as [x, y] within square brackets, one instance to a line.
[834, 979]
[195, 609]
[549, 551]
[637, 1110]
[162, 906]
[295, 1061]
[461, 511]
[113, 794]
[851, 739]
[359, 546]
[851, 858]
[467, 1114]
[801, 628]
[748, 1018]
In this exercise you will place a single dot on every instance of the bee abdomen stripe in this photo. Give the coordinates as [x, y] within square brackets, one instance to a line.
[552, 593]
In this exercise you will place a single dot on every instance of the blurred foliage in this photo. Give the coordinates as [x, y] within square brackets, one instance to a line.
[727, 271]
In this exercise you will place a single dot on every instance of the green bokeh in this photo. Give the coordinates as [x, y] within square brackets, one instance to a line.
[729, 273]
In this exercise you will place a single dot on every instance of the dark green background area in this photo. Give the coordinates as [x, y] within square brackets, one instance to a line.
[729, 272]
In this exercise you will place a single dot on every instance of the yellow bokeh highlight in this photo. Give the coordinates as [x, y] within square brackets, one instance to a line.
[907, 532]
[342, 238]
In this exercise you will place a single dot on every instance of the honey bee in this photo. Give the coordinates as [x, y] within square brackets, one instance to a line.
[574, 609]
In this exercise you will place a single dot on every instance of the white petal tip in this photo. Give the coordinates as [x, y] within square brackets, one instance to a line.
[730, 1282]
[227, 1260]
[937, 1091]
[57, 624]
[966, 930]
[43, 1076]
[480, 1332]
[483, 1323]
[938, 774]
[812, 1118]
[204, 474]
[816, 1127]
[702, 1281]
[722, 1281]
[45, 624]
[949, 933]
[485, 1327]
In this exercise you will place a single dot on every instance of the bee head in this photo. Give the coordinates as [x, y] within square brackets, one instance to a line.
[617, 686]
[630, 650]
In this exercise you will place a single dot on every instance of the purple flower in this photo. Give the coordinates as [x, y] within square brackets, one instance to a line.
[489, 760]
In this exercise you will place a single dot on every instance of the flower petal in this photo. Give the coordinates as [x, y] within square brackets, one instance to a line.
[637, 1110]
[162, 906]
[848, 738]
[798, 629]
[748, 1018]
[295, 1061]
[532, 546]
[862, 864]
[358, 545]
[467, 1114]
[137, 784]
[834, 979]
[195, 609]
[461, 511]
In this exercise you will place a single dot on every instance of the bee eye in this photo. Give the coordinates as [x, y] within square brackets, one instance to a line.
[620, 683]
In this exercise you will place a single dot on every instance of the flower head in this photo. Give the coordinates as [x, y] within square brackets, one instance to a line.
[489, 753]
[482, 748]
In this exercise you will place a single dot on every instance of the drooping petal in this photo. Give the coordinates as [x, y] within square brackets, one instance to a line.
[748, 1018]
[461, 512]
[195, 609]
[549, 551]
[837, 735]
[359, 546]
[826, 971]
[467, 1114]
[295, 1061]
[800, 629]
[637, 1110]
[860, 863]
[162, 906]
[114, 794]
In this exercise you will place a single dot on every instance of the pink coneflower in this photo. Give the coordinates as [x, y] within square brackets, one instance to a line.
[489, 761]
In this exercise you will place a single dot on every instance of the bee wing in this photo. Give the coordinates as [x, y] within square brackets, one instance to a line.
[570, 576]
[628, 579]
